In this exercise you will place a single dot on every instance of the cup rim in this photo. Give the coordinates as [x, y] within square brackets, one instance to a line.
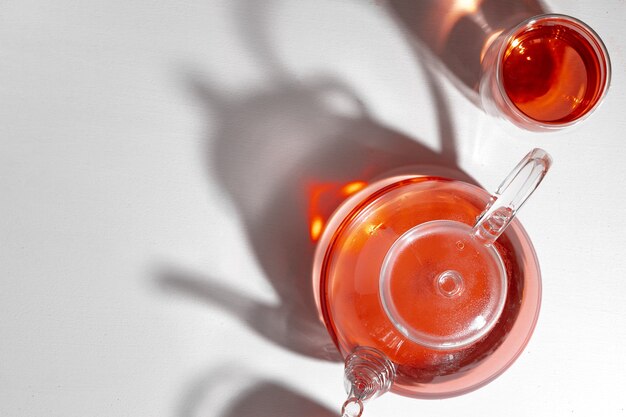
[590, 35]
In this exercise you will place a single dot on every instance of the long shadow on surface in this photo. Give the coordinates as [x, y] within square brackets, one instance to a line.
[282, 153]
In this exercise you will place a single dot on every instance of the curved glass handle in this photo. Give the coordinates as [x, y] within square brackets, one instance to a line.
[511, 195]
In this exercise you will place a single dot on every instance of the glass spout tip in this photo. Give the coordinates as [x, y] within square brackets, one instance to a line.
[368, 373]
[353, 407]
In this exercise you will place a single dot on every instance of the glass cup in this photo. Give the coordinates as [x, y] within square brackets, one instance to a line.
[547, 73]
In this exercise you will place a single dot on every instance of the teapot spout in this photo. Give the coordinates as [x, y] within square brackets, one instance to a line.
[368, 373]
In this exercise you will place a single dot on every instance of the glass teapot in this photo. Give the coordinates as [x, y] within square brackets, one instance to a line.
[428, 285]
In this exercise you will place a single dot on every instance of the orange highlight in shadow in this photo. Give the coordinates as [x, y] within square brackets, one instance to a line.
[324, 198]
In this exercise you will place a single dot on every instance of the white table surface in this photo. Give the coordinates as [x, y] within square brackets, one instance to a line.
[152, 233]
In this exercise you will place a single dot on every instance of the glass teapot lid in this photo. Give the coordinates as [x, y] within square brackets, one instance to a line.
[441, 286]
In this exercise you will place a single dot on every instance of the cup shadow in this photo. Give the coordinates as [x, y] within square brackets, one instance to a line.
[455, 33]
[284, 153]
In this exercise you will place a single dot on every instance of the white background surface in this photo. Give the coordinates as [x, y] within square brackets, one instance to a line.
[145, 144]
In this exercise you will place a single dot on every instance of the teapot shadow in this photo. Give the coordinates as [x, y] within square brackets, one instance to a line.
[268, 399]
[283, 153]
[247, 397]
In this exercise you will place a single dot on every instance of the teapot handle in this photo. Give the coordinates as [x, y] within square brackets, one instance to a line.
[511, 195]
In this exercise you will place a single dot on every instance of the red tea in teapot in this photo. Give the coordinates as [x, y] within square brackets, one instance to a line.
[347, 280]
